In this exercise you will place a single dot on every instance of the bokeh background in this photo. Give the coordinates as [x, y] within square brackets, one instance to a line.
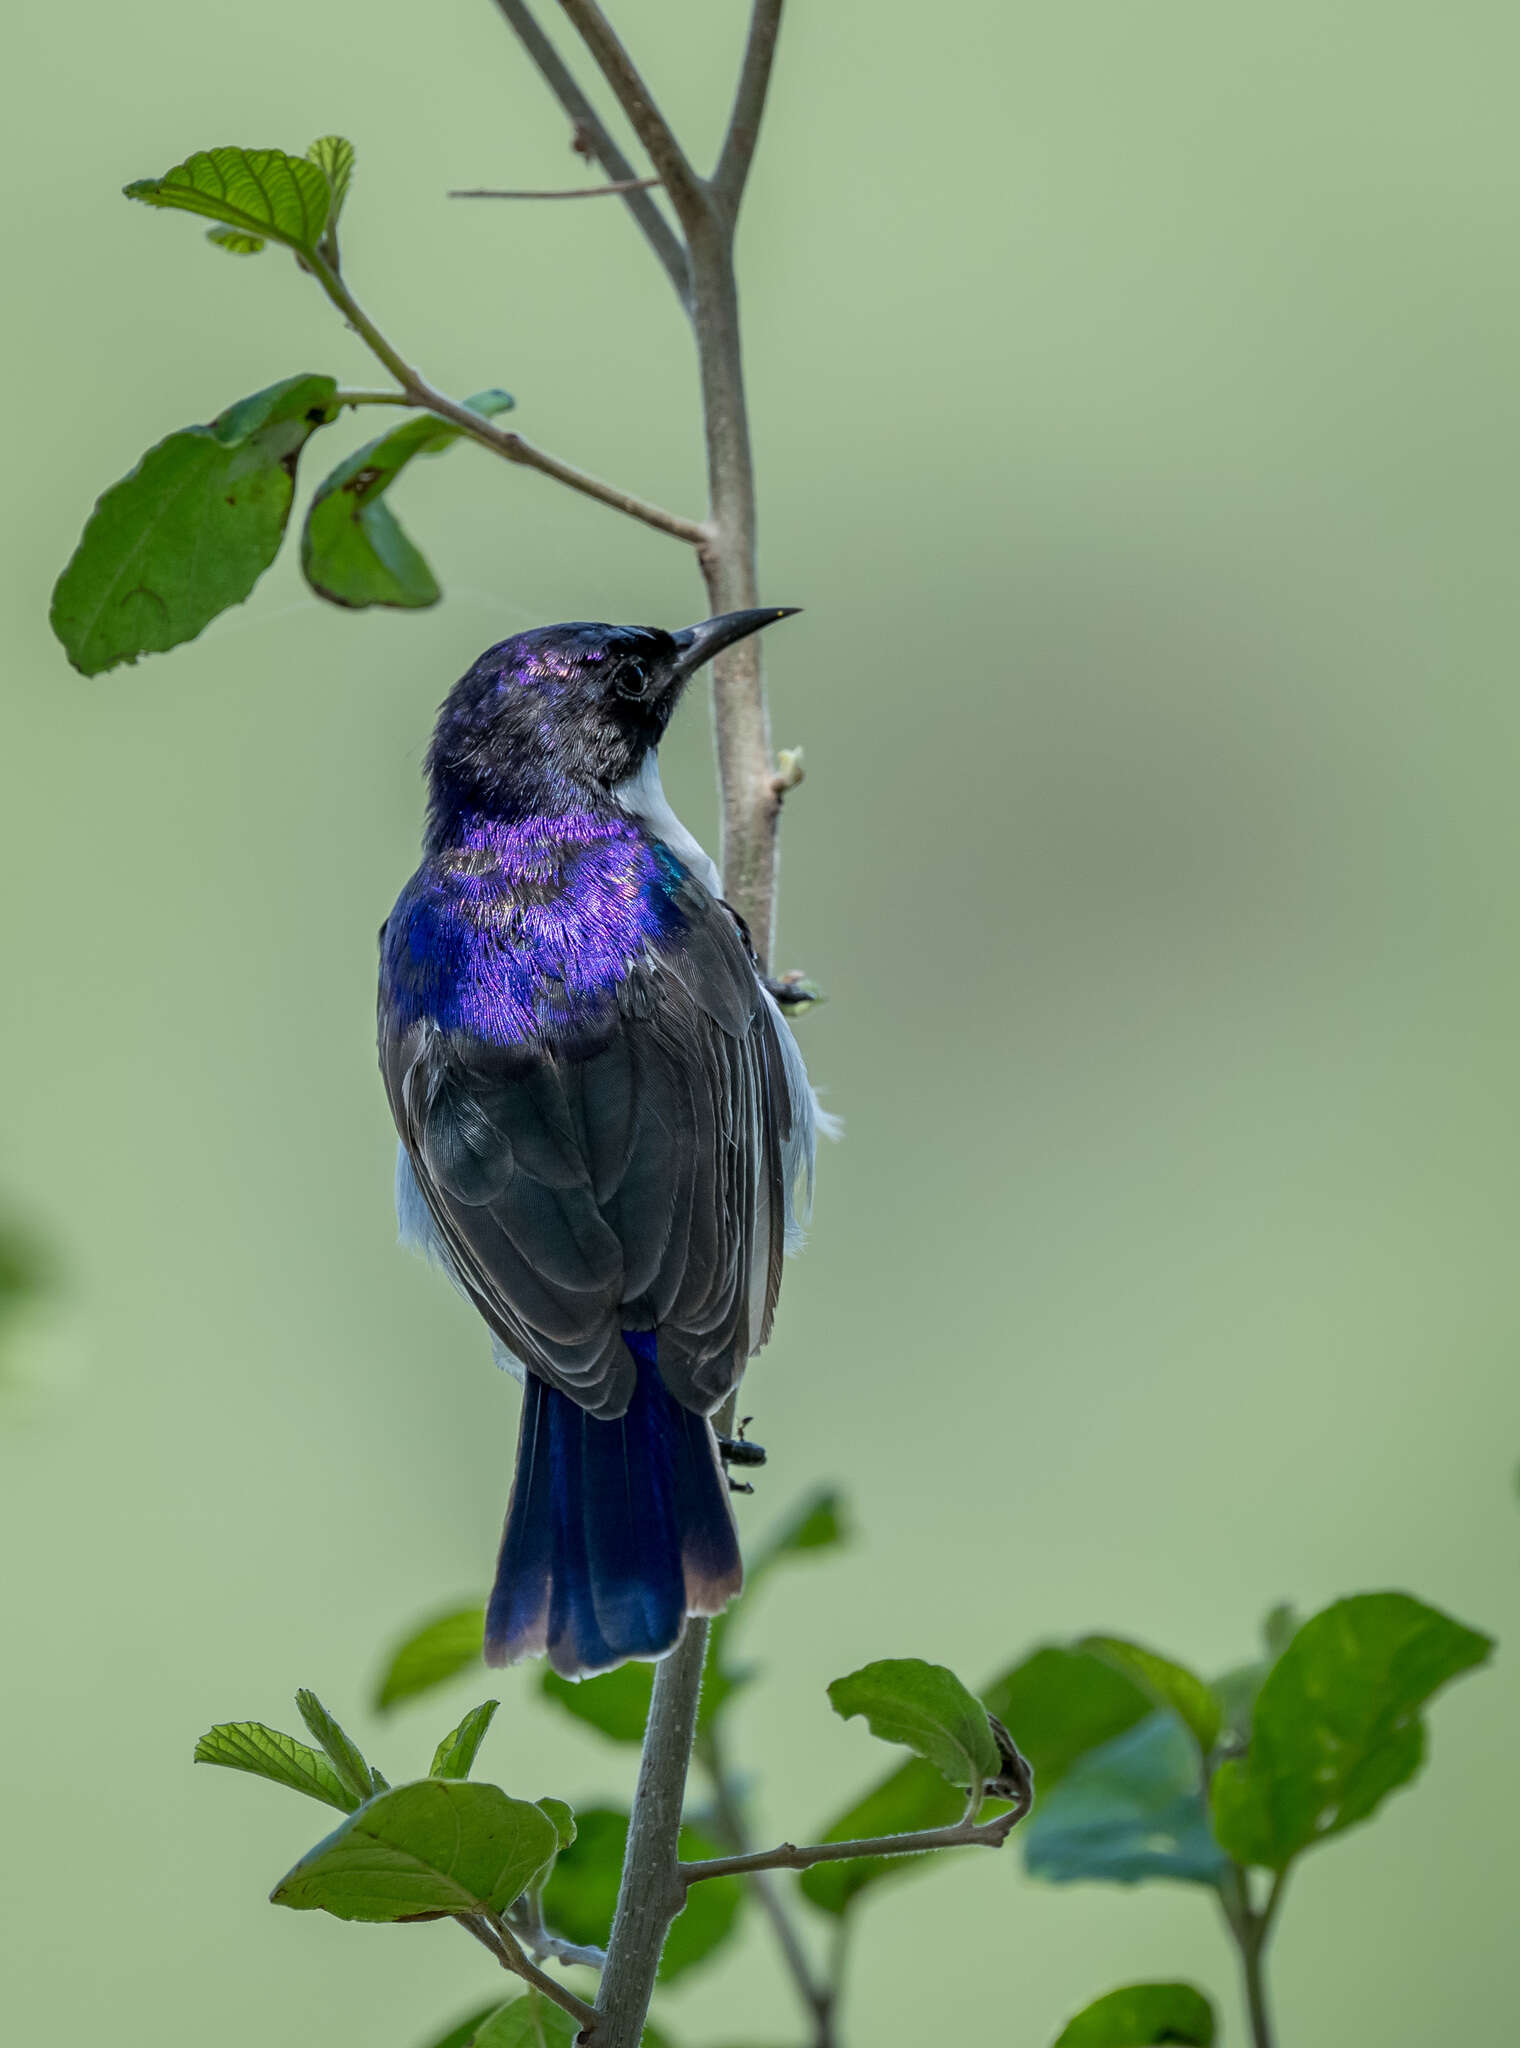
[1136, 400]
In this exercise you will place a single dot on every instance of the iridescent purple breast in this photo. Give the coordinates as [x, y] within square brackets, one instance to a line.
[528, 928]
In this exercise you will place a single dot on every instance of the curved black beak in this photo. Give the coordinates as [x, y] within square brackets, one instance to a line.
[700, 643]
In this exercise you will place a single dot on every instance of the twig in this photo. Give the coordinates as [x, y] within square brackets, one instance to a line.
[573, 192]
[372, 398]
[493, 1934]
[589, 126]
[688, 193]
[1250, 1928]
[738, 151]
[965, 1834]
[818, 1997]
[417, 391]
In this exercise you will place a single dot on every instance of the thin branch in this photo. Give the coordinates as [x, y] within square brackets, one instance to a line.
[818, 1997]
[372, 398]
[688, 195]
[417, 391]
[495, 1935]
[572, 192]
[965, 1834]
[738, 151]
[592, 131]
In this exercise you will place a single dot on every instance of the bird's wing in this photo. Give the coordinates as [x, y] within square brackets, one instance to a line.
[619, 1169]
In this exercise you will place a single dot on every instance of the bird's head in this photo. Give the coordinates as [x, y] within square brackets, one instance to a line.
[565, 712]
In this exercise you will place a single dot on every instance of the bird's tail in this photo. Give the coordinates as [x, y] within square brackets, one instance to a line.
[615, 1531]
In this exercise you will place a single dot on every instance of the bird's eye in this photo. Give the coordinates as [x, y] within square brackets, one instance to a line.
[632, 679]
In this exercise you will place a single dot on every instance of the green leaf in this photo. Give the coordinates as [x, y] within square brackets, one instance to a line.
[582, 1890]
[616, 1703]
[235, 242]
[346, 1757]
[1278, 1628]
[334, 157]
[563, 1818]
[262, 192]
[189, 531]
[431, 1655]
[463, 2032]
[1141, 2016]
[926, 1707]
[1337, 1724]
[25, 1270]
[536, 2022]
[1059, 1704]
[353, 553]
[913, 1797]
[1168, 1684]
[530, 2022]
[250, 1746]
[441, 1845]
[458, 1749]
[818, 1522]
[1130, 1810]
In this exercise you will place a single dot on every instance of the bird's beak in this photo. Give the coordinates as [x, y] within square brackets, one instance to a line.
[699, 644]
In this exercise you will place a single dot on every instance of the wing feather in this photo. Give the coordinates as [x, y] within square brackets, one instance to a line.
[624, 1177]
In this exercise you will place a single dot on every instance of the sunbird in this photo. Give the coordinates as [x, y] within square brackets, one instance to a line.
[607, 1131]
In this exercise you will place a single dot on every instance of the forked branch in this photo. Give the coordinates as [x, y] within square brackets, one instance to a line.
[688, 193]
[595, 138]
[493, 1934]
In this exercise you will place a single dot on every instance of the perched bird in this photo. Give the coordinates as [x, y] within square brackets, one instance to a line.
[606, 1126]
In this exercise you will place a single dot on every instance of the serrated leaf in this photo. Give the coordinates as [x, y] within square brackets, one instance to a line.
[334, 157]
[266, 1753]
[353, 552]
[1168, 1684]
[343, 1752]
[581, 1893]
[440, 1649]
[456, 1753]
[1130, 1810]
[615, 1703]
[1337, 1724]
[264, 192]
[1142, 2016]
[563, 1818]
[1059, 1704]
[189, 531]
[926, 1707]
[235, 242]
[438, 1846]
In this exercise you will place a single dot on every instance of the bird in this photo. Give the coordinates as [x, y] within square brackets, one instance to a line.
[606, 1127]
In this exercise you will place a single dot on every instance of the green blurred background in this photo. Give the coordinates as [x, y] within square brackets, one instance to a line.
[1135, 392]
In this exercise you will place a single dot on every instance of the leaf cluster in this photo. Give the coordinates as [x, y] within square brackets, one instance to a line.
[190, 530]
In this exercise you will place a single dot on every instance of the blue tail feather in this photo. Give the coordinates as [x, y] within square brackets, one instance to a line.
[615, 1530]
